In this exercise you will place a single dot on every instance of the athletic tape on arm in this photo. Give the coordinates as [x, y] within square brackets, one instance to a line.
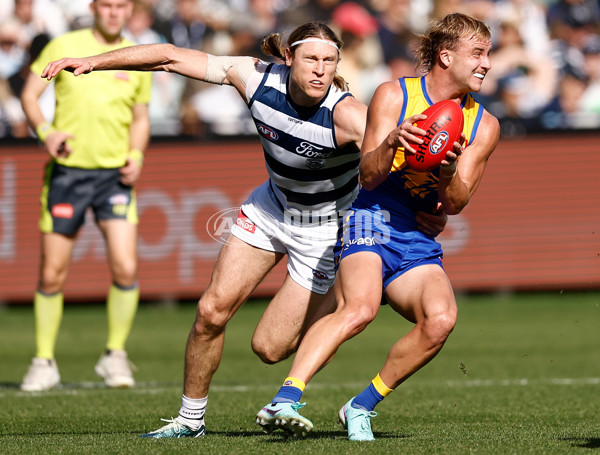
[217, 67]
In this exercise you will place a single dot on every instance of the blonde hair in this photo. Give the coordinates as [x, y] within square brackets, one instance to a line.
[273, 44]
[445, 33]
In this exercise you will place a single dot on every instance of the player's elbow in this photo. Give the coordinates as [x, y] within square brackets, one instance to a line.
[454, 205]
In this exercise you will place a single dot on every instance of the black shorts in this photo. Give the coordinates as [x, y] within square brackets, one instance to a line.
[68, 192]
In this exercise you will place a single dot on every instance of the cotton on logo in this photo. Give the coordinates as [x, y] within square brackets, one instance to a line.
[438, 143]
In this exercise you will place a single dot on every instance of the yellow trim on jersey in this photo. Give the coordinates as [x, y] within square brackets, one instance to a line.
[416, 102]
[422, 185]
[95, 108]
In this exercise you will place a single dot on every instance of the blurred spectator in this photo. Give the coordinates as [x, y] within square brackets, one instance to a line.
[139, 26]
[361, 60]
[565, 112]
[530, 18]
[218, 110]
[571, 23]
[39, 16]
[396, 35]
[13, 55]
[590, 102]
[167, 88]
[12, 119]
[308, 11]
[186, 27]
[11, 112]
[17, 80]
[77, 13]
[522, 82]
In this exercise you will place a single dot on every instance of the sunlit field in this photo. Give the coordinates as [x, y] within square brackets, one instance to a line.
[519, 375]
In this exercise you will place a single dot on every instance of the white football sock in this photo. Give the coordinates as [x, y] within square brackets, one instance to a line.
[192, 411]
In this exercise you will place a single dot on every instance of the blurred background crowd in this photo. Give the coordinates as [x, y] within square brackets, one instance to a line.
[546, 54]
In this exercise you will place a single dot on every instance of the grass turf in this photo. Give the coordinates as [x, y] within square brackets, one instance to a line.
[520, 374]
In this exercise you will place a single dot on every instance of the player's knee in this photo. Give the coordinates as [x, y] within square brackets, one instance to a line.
[210, 317]
[357, 319]
[438, 328]
[269, 351]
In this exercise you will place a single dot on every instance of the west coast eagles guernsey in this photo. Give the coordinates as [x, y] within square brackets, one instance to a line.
[94, 108]
[308, 173]
[415, 190]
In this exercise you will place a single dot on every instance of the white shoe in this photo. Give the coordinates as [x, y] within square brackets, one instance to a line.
[115, 368]
[42, 375]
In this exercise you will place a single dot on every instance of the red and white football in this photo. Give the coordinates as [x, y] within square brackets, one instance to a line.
[443, 124]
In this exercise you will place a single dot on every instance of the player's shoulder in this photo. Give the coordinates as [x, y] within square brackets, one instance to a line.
[389, 92]
[350, 106]
[490, 123]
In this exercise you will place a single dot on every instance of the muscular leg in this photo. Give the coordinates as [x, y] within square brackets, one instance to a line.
[358, 294]
[292, 311]
[238, 270]
[422, 295]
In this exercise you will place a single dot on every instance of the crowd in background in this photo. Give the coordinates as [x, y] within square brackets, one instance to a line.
[545, 58]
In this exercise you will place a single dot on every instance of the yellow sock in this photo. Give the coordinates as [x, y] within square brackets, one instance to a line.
[383, 390]
[294, 382]
[48, 310]
[121, 307]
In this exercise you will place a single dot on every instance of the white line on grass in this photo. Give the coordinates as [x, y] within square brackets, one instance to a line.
[152, 388]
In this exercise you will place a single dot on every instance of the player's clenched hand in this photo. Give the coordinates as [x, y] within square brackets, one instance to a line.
[130, 173]
[407, 134]
[76, 66]
[448, 165]
[432, 224]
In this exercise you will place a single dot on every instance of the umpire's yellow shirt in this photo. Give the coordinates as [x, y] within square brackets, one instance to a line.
[95, 108]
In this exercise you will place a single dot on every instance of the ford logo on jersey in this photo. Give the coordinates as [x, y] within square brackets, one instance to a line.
[267, 132]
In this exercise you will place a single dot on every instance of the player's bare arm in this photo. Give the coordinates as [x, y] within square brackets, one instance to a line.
[457, 188]
[349, 117]
[161, 57]
[383, 136]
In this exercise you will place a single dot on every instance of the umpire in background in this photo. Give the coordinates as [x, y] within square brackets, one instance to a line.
[96, 142]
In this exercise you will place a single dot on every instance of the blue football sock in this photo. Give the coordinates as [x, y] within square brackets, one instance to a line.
[287, 394]
[367, 399]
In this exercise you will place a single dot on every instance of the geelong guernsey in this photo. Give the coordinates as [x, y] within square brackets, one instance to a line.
[418, 190]
[309, 174]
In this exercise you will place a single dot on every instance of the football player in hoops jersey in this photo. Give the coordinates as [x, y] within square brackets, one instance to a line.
[380, 247]
[311, 130]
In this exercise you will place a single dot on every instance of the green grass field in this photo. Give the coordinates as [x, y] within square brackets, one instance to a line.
[519, 375]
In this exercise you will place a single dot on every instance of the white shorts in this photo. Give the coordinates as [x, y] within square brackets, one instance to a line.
[309, 245]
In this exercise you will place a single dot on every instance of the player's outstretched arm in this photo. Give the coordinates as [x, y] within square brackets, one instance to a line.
[146, 57]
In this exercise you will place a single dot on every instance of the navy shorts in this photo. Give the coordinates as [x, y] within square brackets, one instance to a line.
[400, 249]
[68, 192]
